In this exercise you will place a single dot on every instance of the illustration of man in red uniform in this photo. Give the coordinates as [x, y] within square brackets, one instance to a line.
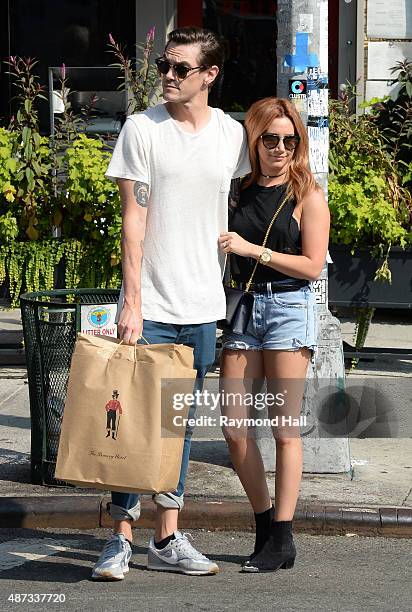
[112, 407]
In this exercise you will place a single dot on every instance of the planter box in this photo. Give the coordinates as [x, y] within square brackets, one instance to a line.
[351, 279]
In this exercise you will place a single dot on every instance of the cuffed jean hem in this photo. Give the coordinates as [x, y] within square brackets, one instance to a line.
[168, 500]
[118, 513]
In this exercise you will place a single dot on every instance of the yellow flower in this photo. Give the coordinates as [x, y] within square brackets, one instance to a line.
[114, 260]
[9, 192]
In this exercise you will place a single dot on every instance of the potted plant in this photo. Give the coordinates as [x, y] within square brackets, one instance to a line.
[57, 185]
[371, 206]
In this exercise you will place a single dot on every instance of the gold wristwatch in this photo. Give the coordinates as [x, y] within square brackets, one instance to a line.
[265, 256]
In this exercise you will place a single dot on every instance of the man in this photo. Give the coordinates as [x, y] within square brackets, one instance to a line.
[112, 407]
[173, 164]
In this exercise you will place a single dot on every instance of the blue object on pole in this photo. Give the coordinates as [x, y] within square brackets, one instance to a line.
[302, 58]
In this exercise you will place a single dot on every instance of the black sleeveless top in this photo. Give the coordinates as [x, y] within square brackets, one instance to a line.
[251, 219]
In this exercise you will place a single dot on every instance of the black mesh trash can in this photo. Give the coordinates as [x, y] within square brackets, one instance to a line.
[51, 320]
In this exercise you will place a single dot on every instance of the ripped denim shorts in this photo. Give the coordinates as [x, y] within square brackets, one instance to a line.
[283, 321]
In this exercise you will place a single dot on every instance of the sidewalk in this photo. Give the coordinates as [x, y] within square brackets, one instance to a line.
[374, 499]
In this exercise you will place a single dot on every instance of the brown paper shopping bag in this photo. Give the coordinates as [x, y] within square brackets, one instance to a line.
[113, 435]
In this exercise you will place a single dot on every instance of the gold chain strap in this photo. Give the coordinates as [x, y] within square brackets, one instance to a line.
[264, 242]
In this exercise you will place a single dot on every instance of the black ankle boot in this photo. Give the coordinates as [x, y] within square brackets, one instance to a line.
[278, 552]
[263, 522]
[263, 530]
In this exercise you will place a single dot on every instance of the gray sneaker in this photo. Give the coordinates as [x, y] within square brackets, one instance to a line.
[180, 556]
[113, 562]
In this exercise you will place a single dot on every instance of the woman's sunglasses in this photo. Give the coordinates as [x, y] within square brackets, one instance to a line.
[271, 141]
[180, 70]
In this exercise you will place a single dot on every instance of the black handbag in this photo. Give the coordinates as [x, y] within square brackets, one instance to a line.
[239, 303]
[239, 307]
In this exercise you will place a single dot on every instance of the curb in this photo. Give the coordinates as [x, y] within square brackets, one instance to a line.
[89, 512]
[11, 354]
[60, 511]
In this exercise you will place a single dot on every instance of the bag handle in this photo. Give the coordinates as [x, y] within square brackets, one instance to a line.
[134, 345]
[265, 240]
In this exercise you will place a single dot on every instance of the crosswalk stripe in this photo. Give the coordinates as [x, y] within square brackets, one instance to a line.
[14, 553]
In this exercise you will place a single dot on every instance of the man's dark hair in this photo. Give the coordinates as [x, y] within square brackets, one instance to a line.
[211, 49]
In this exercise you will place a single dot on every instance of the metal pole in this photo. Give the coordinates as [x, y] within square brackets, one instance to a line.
[302, 62]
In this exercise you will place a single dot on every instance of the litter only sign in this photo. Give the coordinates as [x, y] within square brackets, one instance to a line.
[98, 319]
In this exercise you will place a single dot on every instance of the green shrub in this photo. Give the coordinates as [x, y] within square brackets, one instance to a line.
[369, 204]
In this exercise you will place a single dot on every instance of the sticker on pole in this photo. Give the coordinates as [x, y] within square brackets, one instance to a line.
[98, 319]
[297, 88]
[319, 289]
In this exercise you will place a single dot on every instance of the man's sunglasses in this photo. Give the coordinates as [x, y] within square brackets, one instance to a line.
[271, 141]
[180, 70]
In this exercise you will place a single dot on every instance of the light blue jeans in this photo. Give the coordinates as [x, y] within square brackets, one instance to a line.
[202, 338]
[283, 321]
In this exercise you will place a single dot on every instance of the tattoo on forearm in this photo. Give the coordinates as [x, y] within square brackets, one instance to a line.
[141, 192]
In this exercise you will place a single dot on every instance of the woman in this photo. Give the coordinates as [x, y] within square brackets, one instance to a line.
[281, 335]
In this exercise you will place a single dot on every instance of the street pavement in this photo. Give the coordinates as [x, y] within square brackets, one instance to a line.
[381, 467]
[346, 574]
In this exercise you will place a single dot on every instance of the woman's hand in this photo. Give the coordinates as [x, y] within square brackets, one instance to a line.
[231, 242]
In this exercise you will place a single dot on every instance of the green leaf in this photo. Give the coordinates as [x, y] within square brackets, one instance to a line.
[26, 135]
[28, 152]
[11, 164]
[37, 168]
[29, 175]
[57, 218]
[32, 233]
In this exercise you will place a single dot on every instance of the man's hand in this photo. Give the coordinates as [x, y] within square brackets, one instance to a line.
[130, 324]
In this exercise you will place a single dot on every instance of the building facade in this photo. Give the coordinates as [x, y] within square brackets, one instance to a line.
[76, 32]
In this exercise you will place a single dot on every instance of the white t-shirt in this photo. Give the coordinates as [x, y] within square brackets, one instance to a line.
[189, 179]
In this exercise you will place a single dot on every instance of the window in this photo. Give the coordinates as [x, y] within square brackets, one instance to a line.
[248, 28]
[71, 31]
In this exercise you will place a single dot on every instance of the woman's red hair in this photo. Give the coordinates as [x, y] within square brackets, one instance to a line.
[258, 119]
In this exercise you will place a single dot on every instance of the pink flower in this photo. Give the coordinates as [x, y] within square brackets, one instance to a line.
[63, 71]
[111, 39]
[150, 35]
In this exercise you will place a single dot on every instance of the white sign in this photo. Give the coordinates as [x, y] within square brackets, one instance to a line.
[323, 36]
[318, 102]
[305, 23]
[382, 56]
[389, 19]
[98, 319]
[57, 102]
[318, 148]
